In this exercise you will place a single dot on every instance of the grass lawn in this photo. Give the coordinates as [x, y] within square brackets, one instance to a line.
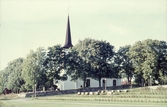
[29, 102]
[133, 98]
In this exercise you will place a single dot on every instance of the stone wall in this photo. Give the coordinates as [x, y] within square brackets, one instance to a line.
[75, 91]
[47, 93]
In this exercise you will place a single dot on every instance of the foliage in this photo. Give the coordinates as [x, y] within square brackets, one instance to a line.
[78, 61]
[11, 76]
[145, 59]
[33, 68]
[75, 65]
[92, 58]
[15, 80]
[4, 74]
[124, 63]
[54, 64]
[101, 55]
[1, 82]
[162, 62]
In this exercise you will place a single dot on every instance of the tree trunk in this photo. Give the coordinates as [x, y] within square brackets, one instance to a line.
[33, 89]
[142, 82]
[84, 83]
[100, 82]
[130, 82]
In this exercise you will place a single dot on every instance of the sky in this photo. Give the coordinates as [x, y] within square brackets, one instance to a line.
[28, 24]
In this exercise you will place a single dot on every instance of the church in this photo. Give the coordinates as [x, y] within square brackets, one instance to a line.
[68, 84]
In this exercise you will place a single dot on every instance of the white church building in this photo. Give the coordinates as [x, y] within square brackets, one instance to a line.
[68, 84]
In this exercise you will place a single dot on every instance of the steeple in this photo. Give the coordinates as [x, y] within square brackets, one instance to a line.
[68, 42]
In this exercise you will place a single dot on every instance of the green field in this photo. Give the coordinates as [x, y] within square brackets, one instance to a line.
[28, 102]
[134, 98]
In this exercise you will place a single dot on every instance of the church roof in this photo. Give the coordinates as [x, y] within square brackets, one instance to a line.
[68, 41]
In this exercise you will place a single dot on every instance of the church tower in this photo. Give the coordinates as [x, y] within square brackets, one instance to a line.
[68, 41]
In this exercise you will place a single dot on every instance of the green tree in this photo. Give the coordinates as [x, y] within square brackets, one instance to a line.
[5, 77]
[101, 60]
[78, 61]
[161, 51]
[144, 59]
[1, 81]
[54, 64]
[91, 58]
[33, 68]
[15, 80]
[124, 63]
[74, 65]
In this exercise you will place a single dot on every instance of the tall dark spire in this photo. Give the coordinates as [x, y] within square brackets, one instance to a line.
[68, 42]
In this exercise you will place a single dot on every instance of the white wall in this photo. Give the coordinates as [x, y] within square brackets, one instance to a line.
[66, 85]
[109, 82]
[93, 83]
[72, 84]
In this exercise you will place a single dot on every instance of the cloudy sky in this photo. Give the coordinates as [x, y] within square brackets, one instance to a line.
[29, 24]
